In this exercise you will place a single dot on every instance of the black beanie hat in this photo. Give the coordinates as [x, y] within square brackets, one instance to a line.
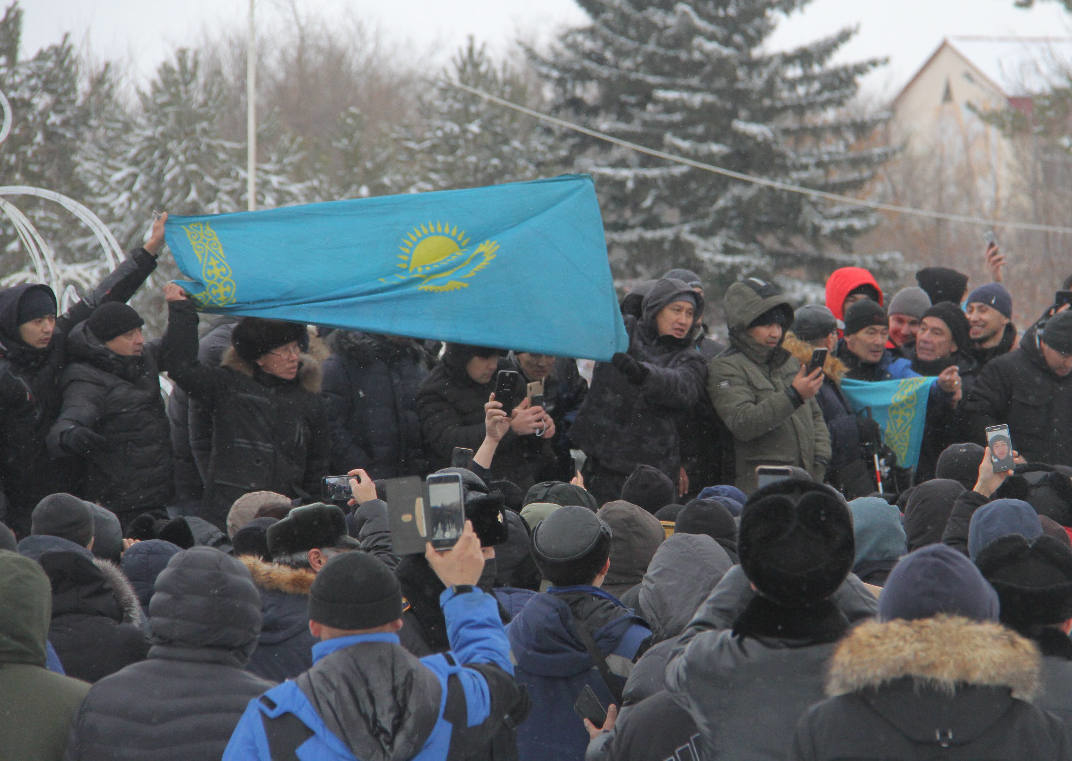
[862, 314]
[795, 541]
[711, 517]
[942, 283]
[649, 488]
[63, 515]
[1033, 579]
[253, 337]
[960, 462]
[1057, 332]
[252, 539]
[570, 537]
[953, 316]
[355, 590]
[308, 527]
[112, 319]
[35, 302]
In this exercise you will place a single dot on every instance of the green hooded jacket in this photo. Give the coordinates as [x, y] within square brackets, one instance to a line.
[36, 705]
[749, 388]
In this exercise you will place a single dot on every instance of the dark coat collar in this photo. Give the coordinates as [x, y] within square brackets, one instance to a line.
[819, 623]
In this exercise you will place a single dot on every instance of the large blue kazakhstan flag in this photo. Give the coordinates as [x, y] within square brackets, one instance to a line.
[900, 409]
[521, 266]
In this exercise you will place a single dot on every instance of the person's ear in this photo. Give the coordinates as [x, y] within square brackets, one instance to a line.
[316, 559]
[316, 629]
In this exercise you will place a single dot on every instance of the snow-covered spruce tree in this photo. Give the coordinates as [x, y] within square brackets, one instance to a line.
[695, 79]
[53, 105]
[458, 140]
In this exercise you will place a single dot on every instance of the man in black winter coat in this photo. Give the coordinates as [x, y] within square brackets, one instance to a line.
[628, 417]
[184, 701]
[113, 414]
[1030, 389]
[370, 383]
[32, 357]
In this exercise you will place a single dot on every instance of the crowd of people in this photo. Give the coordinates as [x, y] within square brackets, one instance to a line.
[179, 580]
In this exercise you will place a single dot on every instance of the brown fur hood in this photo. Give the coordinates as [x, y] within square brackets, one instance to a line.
[124, 592]
[308, 372]
[940, 652]
[833, 367]
[279, 578]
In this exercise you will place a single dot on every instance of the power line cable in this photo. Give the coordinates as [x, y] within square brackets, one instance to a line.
[762, 181]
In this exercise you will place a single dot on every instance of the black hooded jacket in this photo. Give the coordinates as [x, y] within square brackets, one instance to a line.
[624, 424]
[371, 384]
[185, 700]
[30, 395]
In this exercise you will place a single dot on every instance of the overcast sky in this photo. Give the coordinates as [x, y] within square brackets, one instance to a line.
[141, 33]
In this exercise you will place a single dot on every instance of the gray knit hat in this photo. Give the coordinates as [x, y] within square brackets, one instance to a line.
[912, 301]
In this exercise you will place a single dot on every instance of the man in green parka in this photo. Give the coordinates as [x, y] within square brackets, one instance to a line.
[36, 705]
[761, 392]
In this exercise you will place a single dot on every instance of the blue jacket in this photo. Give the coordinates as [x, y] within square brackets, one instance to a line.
[422, 708]
[554, 665]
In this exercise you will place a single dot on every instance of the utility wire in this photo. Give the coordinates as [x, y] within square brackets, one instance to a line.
[762, 181]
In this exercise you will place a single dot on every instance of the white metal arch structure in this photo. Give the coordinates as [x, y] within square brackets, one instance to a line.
[45, 267]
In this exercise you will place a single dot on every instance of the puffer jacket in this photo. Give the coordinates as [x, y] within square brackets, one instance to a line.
[185, 700]
[750, 388]
[944, 687]
[371, 383]
[30, 396]
[118, 398]
[267, 433]
[97, 623]
[622, 424]
[1019, 389]
[285, 646]
[37, 705]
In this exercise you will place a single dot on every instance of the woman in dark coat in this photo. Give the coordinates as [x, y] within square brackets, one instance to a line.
[269, 424]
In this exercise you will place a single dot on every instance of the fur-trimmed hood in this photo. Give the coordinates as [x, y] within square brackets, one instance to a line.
[309, 375]
[279, 578]
[941, 653]
[124, 592]
[833, 367]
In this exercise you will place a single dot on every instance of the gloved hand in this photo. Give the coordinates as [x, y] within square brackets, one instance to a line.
[81, 440]
[634, 371]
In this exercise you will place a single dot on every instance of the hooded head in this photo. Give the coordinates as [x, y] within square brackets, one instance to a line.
[26, 599]
[928, 509]
[755, 302]
[205, 599]
[636, 535]
[850, 280]
[657, 323]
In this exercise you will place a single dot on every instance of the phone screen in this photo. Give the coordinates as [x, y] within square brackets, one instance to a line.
[445, 510]
[769, 474]
[997, 438]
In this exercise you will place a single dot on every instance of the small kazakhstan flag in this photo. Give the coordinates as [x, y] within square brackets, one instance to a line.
[520, 266]
[900, 409]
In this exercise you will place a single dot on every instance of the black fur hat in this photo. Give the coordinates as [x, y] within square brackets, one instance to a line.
[307, 527]
[254, 337]
[795, 541]
[1033, 579]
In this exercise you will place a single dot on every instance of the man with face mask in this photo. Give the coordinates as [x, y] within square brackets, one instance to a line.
[32, 357]
[762, 393]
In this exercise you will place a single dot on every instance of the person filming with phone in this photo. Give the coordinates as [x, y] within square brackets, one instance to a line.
[763, 394]
[367, 697]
